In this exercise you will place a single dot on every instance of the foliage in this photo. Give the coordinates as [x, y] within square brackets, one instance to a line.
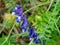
[43, 16]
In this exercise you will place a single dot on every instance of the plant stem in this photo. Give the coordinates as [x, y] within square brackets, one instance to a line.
[58, 17]
[40, 4]
[56, 24]
[31, 42]
[2, 28]
[55, 5]
[8, 35]
[42, 42]
[18, 35]
[50, 5]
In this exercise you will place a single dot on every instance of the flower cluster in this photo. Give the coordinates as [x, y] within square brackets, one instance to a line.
[33, 34]
[18, 11]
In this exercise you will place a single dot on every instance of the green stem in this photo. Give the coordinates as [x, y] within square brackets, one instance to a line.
[40, 4]
[31, 42]
[42, 42]
[56, 5]
[50, 5]
[8, 35]
[58, 17]
[21, 34]
[22, 3]
[56, 24]
[2, 28]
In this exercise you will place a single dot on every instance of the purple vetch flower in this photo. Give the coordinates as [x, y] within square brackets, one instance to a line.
[18, 18]
[36, 41]
[32, 33]
[15, 9]
[24, 24]
[23, 27]
[17, 6]
[18, 11]
[13, 12]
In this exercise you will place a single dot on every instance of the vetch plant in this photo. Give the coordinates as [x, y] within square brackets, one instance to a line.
[20, 18]
[32, 22]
